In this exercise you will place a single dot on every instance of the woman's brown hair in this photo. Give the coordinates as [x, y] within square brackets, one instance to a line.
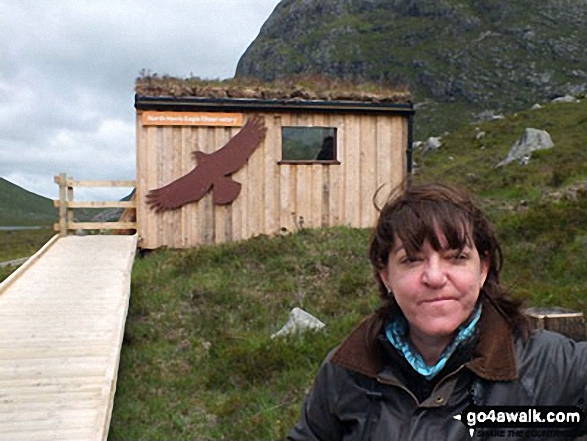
[416, 214]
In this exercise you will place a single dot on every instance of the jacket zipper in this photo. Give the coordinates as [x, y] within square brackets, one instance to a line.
[453, 373]
[401, 386]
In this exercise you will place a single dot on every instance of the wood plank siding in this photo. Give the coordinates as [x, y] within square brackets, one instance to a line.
[371, 151]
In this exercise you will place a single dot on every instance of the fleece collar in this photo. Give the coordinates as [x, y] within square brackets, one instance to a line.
[494, 359]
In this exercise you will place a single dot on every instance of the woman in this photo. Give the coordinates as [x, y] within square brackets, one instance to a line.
[447, 337]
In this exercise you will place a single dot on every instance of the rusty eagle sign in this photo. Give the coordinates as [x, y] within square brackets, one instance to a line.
[213, 171]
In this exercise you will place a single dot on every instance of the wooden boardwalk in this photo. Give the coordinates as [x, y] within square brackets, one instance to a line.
[62, 319]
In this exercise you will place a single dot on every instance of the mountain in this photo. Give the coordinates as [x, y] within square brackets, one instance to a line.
[461, 58]
[19, 207]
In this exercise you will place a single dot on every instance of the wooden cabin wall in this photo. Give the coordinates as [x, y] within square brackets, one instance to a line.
[371, 151]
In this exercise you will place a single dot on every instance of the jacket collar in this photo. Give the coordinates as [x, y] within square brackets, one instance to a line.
[494, 359]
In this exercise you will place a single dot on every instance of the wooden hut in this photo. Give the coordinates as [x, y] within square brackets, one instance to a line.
[319, 161]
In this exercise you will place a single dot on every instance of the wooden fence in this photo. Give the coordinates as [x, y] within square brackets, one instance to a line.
[66, 204]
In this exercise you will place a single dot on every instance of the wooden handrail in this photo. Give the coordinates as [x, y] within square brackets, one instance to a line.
[72, 183]
[108, 204]
[66, 205]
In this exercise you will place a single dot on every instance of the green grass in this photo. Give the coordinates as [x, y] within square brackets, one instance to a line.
[546, 248]
[198, 360]
[467, 56]
[470, 163]
[18, 244]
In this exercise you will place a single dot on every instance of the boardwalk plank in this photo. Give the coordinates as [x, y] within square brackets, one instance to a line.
[61, 328]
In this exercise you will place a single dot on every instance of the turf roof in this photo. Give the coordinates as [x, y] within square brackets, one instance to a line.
[293, 88]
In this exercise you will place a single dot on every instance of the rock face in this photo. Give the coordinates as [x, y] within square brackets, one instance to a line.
[472, 55]
[531, 140]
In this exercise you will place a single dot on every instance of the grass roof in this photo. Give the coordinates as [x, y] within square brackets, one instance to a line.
[292, 88]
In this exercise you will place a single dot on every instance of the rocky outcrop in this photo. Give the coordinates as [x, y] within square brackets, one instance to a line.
[530, 141]
[469, 54]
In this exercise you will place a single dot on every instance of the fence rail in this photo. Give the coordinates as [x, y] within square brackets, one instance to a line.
[66, 204]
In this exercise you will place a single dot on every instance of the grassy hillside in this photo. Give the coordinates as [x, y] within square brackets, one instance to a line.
[540, 208]
[470, 162]
[19, 244]
[19, 207]
[198, 360]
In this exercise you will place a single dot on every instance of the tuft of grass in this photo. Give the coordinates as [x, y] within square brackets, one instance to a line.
[5, 271]
[18, 244]
[546, 251]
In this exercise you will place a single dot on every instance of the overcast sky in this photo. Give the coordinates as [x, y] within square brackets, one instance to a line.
[67, 73]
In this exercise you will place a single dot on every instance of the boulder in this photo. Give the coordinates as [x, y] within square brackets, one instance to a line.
[531, 140]
[299, 320]
[488, 115]
[432, 144]
[565, 99]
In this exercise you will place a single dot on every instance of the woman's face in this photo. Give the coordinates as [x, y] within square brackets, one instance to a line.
[436, 290]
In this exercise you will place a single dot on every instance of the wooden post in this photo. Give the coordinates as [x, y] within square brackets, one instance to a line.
[565, 321]
[69, 199]
[62, 181]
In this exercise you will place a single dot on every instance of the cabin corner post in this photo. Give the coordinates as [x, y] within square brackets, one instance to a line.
[140, 216]
[410, 148]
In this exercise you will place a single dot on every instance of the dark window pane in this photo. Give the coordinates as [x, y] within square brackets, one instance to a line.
[308, 143]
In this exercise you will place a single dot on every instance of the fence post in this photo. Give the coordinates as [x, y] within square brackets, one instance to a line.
[69, 199]
[62, 204]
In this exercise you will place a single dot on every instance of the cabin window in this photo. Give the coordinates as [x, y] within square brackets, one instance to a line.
[308, 145]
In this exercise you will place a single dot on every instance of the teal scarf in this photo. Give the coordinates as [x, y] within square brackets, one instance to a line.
[397, 332]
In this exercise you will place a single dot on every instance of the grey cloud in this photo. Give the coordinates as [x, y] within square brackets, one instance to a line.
[68, 72]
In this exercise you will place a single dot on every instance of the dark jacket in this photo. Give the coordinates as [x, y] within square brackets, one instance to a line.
[361, 392]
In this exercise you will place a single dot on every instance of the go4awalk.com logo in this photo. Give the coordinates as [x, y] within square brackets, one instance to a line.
[516, 421]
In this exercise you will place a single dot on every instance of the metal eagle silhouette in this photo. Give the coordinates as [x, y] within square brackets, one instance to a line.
[213, 171]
